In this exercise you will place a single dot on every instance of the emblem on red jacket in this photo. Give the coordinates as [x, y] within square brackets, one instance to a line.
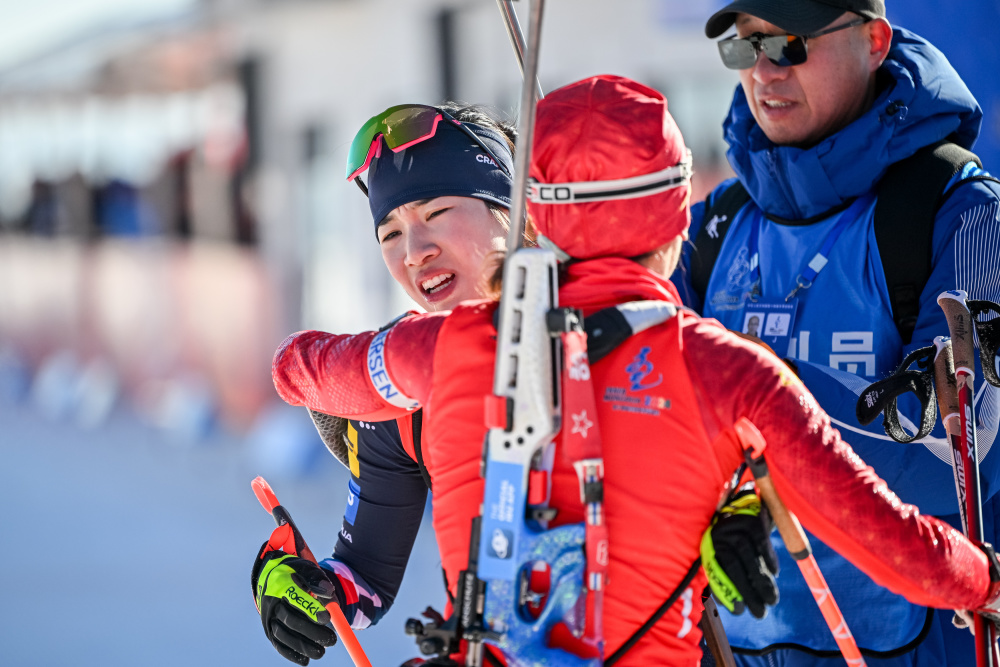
[639, 370]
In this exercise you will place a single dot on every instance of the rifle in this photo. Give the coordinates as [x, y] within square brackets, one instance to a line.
[711, 625]
[524, 415]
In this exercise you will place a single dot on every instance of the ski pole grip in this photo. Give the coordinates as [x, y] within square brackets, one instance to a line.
[788, 525]
[962, 331]
[264, 494]
[945, 387]
[269, 501]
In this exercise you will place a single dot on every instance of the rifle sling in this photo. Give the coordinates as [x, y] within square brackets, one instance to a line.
[655, 617]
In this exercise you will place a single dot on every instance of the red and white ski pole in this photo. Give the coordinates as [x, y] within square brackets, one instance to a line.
[947, 399]
[797, 542]
[962, 328]
[288, 534]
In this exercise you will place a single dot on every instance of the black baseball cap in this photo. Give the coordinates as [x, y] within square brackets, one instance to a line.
[796, 17]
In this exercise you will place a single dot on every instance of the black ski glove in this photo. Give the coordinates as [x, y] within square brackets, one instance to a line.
[290, 593]
[738, 557]
[991, 610]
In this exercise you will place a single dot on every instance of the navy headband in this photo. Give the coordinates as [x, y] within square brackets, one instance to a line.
[449, 164]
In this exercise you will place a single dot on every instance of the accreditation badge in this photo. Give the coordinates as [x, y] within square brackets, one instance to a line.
[771, 320]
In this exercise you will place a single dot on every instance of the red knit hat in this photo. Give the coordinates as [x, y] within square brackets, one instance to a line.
[609, 169]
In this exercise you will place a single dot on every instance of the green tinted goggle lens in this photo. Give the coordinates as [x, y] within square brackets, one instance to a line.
[400, 126]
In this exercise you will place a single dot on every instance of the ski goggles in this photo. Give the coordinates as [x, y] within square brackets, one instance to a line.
[401, 127]
[782, 50]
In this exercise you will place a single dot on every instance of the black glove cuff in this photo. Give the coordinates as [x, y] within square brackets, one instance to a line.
[991, 558]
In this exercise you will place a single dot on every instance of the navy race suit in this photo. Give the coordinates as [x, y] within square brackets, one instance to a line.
[844, 336]
[386, 489]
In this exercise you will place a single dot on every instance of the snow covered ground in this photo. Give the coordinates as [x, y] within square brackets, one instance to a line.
[119, 547]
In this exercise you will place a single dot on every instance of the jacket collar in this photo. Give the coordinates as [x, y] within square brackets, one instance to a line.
[607, 281]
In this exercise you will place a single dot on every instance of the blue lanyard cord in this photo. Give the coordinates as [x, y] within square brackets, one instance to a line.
[806, 277]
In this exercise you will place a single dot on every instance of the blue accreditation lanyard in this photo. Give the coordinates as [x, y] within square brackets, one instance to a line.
[806, 277]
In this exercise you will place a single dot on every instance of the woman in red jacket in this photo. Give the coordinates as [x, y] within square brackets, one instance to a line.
[438, 181]
[663, 396]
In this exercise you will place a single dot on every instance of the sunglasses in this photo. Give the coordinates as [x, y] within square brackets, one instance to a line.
[401, 127]
[782, 50]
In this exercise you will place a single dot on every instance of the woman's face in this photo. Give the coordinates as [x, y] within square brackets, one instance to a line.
[437, 248]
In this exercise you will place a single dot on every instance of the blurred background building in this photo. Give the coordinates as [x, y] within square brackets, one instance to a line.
[171, 195]
[172, 201]
[171, 192]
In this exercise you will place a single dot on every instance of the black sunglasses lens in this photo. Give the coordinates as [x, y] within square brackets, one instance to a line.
[737, 53]
[784, 50]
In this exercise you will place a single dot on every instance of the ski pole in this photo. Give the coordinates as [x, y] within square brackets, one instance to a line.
[525, 131]
[947, 399]
[715, 635]
[269, 501]
[797, 542]
[961, 328]
[948, 402]
[516, 38]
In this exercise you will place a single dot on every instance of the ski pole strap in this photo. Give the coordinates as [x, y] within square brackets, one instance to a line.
[988, 332]
[282, 539]
[881, 397]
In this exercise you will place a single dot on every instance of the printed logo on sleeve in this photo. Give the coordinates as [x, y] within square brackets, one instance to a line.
[353, 500]
[380, 377]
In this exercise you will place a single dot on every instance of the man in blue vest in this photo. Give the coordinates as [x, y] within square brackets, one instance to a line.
[834, 132]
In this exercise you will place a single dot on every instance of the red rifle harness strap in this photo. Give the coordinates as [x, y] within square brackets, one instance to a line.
[581, 442]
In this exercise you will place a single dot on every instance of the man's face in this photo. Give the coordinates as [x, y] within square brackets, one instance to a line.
[803, 104]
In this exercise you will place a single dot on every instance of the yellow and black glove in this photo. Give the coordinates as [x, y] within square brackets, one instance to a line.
[738, 557]
[290, 593]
